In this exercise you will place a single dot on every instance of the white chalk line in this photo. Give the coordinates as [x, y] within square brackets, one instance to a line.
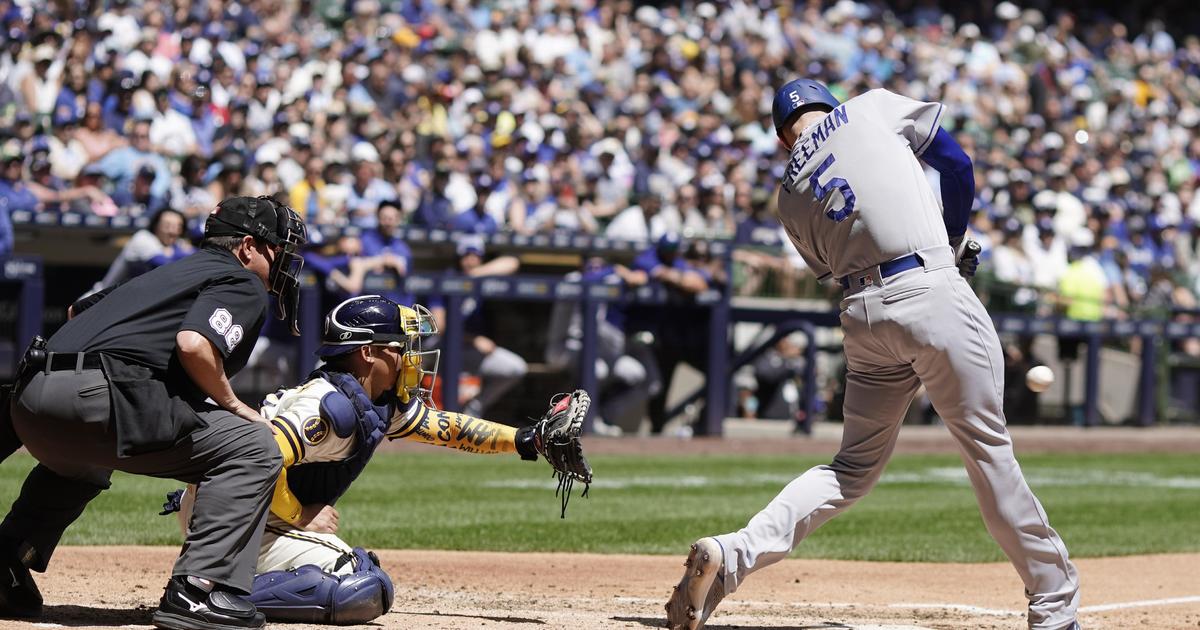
[944, 475]
[1145, 603]
[975, 610]
[966, 608]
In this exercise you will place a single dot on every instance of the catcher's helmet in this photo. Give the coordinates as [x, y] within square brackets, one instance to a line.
[377, 321]
[797, 97]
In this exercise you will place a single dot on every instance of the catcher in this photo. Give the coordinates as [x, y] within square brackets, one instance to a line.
[375, 383]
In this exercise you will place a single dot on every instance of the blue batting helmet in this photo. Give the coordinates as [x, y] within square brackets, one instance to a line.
[797, 97]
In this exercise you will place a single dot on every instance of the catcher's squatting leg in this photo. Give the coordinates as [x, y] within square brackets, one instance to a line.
[312, 577]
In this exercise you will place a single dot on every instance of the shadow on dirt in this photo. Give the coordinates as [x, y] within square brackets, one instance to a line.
[659, 622]
[71, 615]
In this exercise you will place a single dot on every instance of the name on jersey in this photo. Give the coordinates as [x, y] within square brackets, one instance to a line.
[809, 144]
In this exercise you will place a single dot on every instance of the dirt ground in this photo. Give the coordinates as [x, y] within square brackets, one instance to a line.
[441, 590]
[120, 586]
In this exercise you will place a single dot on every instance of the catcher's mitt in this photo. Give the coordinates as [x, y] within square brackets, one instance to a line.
[556, 437]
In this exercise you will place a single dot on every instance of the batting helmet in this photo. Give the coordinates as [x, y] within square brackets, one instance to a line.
[797, 97]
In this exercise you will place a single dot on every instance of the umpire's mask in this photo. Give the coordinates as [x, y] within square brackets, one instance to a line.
[281, 228]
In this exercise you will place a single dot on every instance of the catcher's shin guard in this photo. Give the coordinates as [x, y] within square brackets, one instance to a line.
[700, 590]
[310, 595]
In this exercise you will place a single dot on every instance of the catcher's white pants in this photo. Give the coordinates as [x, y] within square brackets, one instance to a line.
[285, 547]
[920, 326]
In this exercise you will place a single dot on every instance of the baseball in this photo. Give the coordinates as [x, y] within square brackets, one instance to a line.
[1039, 378]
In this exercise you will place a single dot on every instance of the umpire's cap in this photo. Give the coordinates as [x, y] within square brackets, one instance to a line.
[797, 97]
[277, 225]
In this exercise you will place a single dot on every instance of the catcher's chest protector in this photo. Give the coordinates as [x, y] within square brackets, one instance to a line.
[350, 413]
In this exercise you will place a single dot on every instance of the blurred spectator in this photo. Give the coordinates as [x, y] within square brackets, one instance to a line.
[118, 106]
[171, 132]
[367, 191]
[565, 214]
[307, 195]
[1084, 289]
[760, 225]
[477, 219]
[393, 258]
[230, 176]
[193, 198]
[499, 369]
[156, 245]
[664, 347]
[1013, 267]
[345, 270]
[777, 387]
[140, 199]
[619, 104]
[624, 388]
[641, 222]
[435, 210]
[96, 139]
[122, 165]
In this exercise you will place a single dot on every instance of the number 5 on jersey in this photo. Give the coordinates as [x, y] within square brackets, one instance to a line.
[820, 191]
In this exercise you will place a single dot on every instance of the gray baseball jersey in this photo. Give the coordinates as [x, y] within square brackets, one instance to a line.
[855, 196]
[850, 199]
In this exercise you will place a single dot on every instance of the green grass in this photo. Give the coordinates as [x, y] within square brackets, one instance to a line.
[923, 510]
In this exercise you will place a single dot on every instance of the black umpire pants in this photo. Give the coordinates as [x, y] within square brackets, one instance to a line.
[63, 419]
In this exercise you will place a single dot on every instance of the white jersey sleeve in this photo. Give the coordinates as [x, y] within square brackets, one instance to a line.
[915, 121]
[296, 413]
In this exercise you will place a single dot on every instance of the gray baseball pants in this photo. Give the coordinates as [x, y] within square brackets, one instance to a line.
[925, 326]
[63, 420]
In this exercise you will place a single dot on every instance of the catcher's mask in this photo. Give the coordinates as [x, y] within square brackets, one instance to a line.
[377, 321]
[280, 227]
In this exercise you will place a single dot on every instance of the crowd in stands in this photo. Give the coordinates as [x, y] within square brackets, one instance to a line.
[601, 118]
[605, 118]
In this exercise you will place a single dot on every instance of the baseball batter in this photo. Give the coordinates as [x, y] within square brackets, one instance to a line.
[375, 383]
[856, 205]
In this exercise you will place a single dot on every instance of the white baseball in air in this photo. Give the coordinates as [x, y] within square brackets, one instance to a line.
[1039, 378]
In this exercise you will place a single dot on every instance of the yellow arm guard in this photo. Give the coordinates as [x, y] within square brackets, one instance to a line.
[457, 431]
[284, 504]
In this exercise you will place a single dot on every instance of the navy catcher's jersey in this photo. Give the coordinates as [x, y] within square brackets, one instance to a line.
[854, 194]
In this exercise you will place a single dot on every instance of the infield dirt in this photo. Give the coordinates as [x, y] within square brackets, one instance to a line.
[453, 590]
[450, 590]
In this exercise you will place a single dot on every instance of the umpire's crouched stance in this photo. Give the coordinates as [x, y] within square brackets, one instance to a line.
[122, 386]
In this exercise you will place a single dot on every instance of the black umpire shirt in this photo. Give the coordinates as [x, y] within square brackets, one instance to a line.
[134, 326]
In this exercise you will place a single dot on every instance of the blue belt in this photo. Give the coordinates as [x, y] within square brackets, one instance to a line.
[890, 268]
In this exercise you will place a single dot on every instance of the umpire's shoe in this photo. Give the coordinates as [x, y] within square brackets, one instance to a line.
[700, 590]
[19, 596]
[185, 606]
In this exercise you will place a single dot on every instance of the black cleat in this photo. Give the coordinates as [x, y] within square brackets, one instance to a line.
[187, 607]
[19, 595]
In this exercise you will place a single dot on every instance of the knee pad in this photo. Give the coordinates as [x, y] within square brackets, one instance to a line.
[309, 595]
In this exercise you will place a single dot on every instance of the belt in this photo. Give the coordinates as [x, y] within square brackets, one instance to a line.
[57, 362]
[889, 268]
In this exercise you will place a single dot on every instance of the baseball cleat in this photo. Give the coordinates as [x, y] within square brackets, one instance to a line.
[19, 595]
[700, 590]
[186, 607]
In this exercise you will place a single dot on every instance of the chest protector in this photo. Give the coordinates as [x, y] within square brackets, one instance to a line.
[351, 414]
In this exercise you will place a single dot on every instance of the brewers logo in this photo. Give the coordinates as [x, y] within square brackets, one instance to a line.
[315, 430]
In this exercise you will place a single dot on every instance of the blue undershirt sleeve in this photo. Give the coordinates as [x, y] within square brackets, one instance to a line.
[958, 181]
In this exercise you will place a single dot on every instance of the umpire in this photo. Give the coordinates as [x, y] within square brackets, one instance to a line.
[123, 386]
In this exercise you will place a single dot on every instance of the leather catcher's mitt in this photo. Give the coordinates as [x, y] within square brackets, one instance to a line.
[556, 437]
